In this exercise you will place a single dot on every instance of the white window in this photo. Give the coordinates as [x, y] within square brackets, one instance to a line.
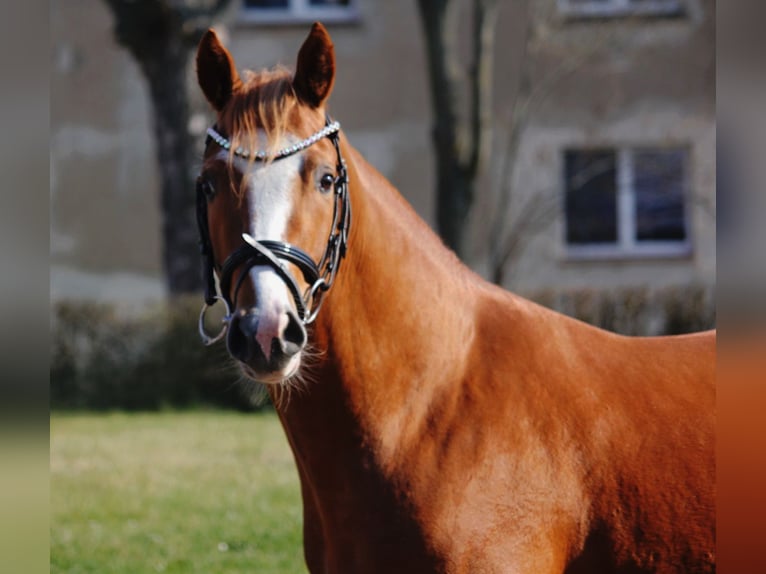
[299, 11]
[626, 202]
[604, 8]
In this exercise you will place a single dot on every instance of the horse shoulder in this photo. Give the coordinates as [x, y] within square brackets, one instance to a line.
[621, 429]
[497, 482]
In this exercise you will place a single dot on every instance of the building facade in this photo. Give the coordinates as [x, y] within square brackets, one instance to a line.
[615, 153]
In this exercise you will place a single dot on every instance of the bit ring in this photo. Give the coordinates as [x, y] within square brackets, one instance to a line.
[207, 339]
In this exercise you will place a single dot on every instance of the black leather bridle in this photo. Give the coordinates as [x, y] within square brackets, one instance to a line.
[252, 252]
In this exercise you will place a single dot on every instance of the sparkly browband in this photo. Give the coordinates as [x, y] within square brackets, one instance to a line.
[261, 155]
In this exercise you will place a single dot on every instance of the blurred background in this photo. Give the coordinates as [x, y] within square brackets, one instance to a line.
[564, 148]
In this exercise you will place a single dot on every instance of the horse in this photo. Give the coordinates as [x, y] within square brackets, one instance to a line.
[438, 422]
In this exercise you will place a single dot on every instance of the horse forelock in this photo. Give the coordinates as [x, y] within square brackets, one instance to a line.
[264, 102]
[259, 115]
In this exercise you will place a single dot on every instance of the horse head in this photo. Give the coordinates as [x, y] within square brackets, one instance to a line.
[272, 202]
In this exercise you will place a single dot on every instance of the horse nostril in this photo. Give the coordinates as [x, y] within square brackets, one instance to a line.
[237, 340]
[258, 342]
[248, 325]
[294, 335]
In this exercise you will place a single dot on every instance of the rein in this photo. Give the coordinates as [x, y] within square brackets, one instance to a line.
[319, 276]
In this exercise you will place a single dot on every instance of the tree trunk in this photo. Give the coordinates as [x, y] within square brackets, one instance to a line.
[460, 140]
[166, 74]
[161, 35]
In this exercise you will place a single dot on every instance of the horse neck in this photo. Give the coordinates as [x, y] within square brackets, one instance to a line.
[384, 341]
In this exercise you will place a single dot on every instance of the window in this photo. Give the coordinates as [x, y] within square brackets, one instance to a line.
[607, 8]
[298, 11]
[624, 202]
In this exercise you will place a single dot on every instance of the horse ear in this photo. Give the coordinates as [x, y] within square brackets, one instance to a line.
[315, 71]
[216, 73]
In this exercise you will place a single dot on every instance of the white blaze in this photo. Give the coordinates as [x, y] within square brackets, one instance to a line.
[269, 189]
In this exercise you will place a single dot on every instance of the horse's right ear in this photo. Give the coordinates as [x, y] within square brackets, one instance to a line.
[216, 73]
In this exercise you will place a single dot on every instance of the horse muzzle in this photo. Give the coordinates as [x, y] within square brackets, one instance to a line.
[268, 344]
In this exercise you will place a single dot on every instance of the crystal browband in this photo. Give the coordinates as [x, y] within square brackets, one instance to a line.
[261, 155]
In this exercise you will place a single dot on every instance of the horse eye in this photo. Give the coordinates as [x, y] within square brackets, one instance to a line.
[327, 182]
[204, 185]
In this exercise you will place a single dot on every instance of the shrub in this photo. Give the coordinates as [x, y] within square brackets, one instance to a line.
[637, 310]
[105, 358]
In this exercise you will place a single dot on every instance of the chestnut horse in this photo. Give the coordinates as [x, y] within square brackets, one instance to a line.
[442, 423]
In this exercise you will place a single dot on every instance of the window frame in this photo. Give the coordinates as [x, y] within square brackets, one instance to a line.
[620, 8]
[628, 246]
[300, 12]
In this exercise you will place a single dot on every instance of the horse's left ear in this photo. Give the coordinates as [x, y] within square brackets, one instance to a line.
[315, 71]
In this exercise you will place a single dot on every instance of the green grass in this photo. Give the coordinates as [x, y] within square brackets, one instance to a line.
[198, 492]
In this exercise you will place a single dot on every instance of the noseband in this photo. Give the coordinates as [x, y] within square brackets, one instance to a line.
[270, 253]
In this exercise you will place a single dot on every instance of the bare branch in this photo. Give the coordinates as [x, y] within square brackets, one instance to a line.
[484, 17]
[518, 119]
[500, 253]
[533, 218]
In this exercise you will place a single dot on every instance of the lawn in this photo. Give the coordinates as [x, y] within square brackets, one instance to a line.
[198, 492]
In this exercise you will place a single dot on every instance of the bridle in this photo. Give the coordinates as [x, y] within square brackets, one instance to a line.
[252, 252]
